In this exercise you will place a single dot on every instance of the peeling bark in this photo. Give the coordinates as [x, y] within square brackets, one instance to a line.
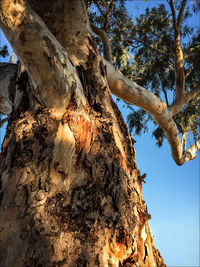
[71, 192]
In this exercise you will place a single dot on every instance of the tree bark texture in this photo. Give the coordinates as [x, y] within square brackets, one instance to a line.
[71, 192]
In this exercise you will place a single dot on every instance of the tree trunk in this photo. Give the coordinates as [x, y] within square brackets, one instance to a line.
[71, 193]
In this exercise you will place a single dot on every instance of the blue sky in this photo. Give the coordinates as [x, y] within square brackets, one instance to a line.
[171, 192]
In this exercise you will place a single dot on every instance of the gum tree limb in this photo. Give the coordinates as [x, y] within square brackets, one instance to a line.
[51, 71]
[134, 94]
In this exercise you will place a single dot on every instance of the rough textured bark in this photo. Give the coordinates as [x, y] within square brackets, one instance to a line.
[71, 192]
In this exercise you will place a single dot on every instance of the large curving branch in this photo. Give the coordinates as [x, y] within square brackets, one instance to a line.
[107, 51]
[51, 71]
[134, 94]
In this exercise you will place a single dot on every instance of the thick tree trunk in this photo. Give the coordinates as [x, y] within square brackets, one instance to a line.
[71, 193]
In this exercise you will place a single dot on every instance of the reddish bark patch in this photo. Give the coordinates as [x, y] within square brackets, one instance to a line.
[143, 216]
[128, 142]
[131, 260]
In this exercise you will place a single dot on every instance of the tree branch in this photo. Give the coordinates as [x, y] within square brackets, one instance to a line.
[171, 4]
[181, 102]
[107, 51]
[50, 68]
[97, 4]
[190, 154]
[165, 94]
[180, 15]
[193, 93]
[178, 56]
[187, 72]
[164, 91]
[134, 94]
[107, 15]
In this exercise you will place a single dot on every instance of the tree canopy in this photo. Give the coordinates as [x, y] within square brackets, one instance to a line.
[145, 50]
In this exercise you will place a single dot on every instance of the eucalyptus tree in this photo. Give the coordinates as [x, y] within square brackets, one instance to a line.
[71, 192]
[165, 57]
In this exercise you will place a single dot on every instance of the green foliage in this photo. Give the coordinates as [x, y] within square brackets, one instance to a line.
[154, 64]
[159, 135]
[188, 120]
[120, 30]
[135, 119]
[143, 50]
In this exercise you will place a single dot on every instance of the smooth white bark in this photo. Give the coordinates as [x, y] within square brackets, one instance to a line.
[134, 94]
[52, 73]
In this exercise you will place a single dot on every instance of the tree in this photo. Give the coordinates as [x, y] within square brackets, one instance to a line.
[154, 38]
[154, 57]
[71, 193]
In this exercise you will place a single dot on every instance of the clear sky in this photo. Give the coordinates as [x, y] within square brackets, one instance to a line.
[171, 192]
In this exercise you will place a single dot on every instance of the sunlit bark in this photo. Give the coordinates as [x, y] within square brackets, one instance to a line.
[134, 94]
[51, 71]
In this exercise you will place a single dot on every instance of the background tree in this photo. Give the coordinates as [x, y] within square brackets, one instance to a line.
[68, 170]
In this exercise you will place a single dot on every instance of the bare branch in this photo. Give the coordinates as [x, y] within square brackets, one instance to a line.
[181, 102]
[134, 94]
[171, 4]
[107, 15]
[187, 72]
[178, 55]
[165, 94]
[164, 91]
[131, 92]
[107, 51]
[193, 93]
[180, 15]
[101, 11]
[190, 154]
[184, 141]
